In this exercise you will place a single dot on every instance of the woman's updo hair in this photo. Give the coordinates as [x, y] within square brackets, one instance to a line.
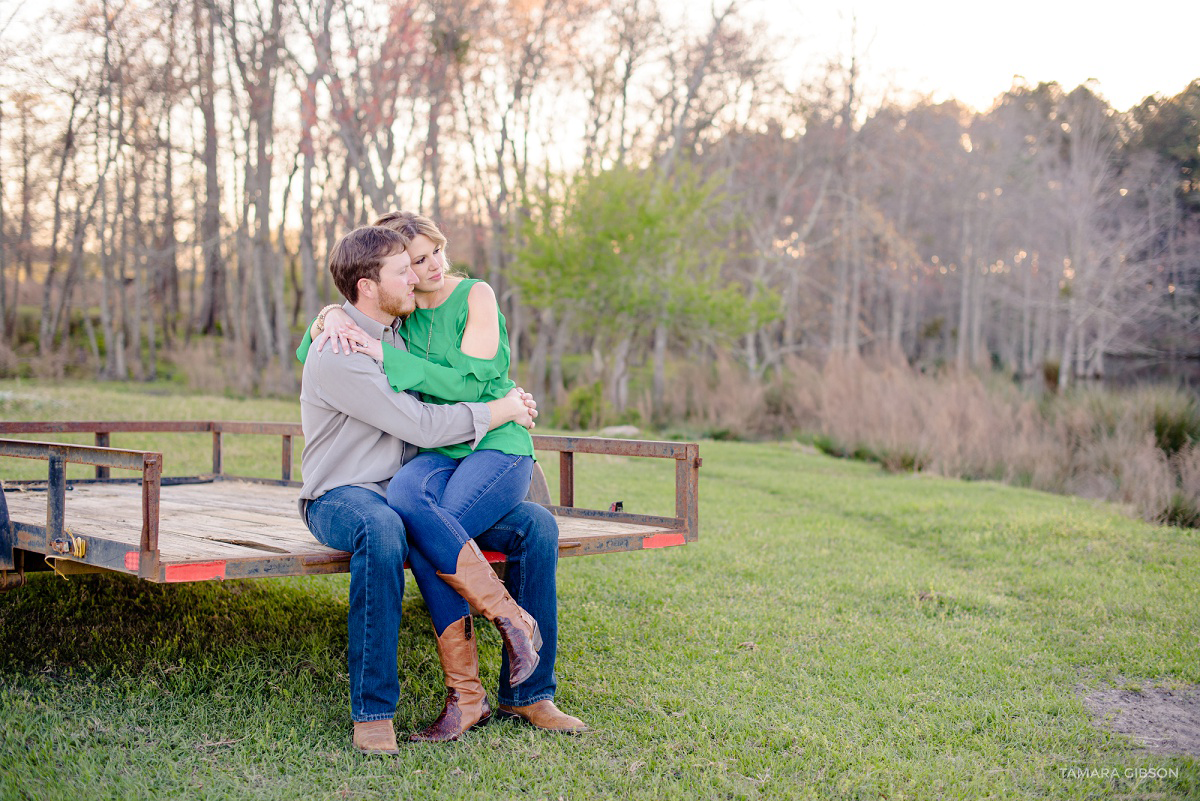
[410, 225]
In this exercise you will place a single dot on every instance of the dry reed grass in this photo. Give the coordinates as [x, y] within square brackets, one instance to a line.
[9, 363]
[724, 403]
[1139, 448]
[223, 367]
[53, 365]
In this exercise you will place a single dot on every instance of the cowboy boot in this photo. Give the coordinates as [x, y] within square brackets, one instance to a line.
[475, 581]
[466, 702]
[544, 715]
[375, 737]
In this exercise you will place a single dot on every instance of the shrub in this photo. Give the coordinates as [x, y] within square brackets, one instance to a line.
[1176, 418]
[584, 407]
[1184, 507]
[1050, 370]
[1137, 448]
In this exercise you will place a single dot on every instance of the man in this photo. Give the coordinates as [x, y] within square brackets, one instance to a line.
[358, 432]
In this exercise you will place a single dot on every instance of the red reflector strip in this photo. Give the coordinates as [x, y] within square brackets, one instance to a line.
[662, 540]
[199, 571]
[131, 561]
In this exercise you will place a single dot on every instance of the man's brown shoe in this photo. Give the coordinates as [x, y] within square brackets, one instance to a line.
[544, 715]
[375, 737]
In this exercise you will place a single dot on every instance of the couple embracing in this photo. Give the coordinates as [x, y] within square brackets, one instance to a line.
[417, 449]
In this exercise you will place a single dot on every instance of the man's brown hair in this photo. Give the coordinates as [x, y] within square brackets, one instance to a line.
[360, 254]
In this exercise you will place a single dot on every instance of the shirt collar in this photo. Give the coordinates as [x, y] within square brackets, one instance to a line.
[373, 327]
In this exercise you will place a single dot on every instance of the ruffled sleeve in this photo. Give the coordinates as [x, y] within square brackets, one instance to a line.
[481, 369]
[445, 384]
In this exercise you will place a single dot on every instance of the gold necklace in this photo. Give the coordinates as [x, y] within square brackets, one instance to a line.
[429, 339]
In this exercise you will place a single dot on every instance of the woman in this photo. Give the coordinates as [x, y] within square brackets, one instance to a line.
[449, 496]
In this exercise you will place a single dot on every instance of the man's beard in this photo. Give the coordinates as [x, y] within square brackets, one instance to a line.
[396, 305]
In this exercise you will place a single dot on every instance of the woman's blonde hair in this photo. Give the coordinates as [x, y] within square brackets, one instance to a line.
[410, 225]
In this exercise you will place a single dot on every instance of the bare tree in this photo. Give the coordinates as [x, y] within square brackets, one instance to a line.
[256, 46]
[214, 299]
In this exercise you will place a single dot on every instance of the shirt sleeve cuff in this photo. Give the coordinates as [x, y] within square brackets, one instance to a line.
[481, 416]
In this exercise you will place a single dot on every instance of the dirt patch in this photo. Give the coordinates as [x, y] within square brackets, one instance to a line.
[1162, 720]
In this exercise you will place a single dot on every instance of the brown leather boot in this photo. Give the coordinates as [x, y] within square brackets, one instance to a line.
[477, 583]
[375, 737]
[466, 702]
[544, 715]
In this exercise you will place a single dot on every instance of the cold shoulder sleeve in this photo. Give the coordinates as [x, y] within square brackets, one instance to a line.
[478, 369]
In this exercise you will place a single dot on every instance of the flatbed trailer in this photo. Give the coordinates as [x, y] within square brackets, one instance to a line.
[214, 525]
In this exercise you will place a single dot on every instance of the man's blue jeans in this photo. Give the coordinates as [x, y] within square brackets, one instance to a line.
[360, 521]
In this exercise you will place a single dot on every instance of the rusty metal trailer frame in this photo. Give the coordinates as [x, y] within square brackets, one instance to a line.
[612, 530]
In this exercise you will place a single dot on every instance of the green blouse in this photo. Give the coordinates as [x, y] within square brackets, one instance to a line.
[448, 375]
[435, 335]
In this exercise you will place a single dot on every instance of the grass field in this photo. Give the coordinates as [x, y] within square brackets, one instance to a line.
[837, 632]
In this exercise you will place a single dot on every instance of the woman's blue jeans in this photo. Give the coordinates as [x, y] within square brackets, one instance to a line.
[446, 502]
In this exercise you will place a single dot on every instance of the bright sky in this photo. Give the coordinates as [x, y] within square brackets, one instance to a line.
[972, 50]
[966, 50]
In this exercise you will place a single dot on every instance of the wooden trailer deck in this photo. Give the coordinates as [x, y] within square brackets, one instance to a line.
[216, 526]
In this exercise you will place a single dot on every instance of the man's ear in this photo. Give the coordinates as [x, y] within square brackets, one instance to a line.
[366, 288]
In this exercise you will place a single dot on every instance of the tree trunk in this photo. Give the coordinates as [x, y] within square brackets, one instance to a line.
[308, 263]
[559, 339]
[214, 302]
[140, 267]
[25, 236]
[167, 251]
[166, 272]
[979, 353]
[855, 298]
[1068, 352]
[4, 330]
[535, 375]
[1026, 357]
[48, 325]
[107, 281]
[658, 390]
[619, 375]
[965, 277]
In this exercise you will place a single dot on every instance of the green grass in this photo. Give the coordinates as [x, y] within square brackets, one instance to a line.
[183, 454]
[837, 632]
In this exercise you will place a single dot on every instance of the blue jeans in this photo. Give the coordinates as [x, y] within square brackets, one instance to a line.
[447, 502]
[528, 536]
[360, 521]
